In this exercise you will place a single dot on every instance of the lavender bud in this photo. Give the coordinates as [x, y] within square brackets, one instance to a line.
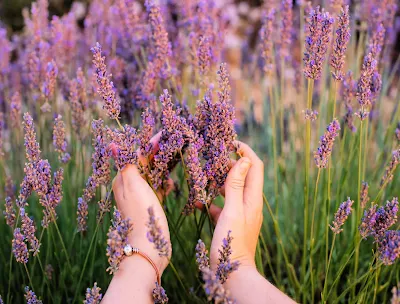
[286, 27]
[266, 42]
[155, 235]
[31, 145]
[16, 106]
[389, 247]
[364, 198]
[93, 295]
[310, 114]
[341, 216]
[201, 255]
[82, 214]
[19, 248]
[348, 93]
[78, 120]
[363, 86]
[388, 175]
[59, 139]
[321, 156]
[214, 288]
[30, 297]
[225, 266]
[9, 212]
[159, 295]
[29, 229]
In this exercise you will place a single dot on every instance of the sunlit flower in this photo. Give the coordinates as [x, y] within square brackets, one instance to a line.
[93, 295]
[341, 216]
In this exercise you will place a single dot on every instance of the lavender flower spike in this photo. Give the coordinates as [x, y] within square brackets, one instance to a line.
[349, 92]
[19, 248]
[201, 255]
[155, 236]
[341, 216]
[317, 42]
[31, 145]
[389, 247]
[106, 87]
[159, 295]
[82, 214]
[9, 212]
[340, 46]
[214, 288]
[16, 105]
[93, 295]
[388, 176]
[364, 198]
[286, 27]
[364, 87]
[59, 140]
[30, 297]
[29, 230]
[267, 46]
[225, 266]
[324, 151]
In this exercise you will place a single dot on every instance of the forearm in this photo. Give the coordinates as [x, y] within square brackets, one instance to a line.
[247, 286]
[133, 282]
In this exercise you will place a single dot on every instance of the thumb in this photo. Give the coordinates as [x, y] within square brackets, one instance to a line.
[234, 184]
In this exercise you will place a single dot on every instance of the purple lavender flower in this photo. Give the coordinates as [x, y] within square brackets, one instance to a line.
[29, 230]
[93, 295]
[9, 212]
[77, 108]
[2, 126]
[340, 46]
[19, 248]
[225, 266]
[155, 234]
[24, 192]
[388, 175]
[105, 86]
[377, 221]
[319, 30]
[341, 216]
[398, 132]
[159, 295]
[310, 114]
[377, 41]
[31, 145]
[38, 175]
[389, 247]
[348, 93]
[214, 288]
[146, 133]
[321, 156]
[125, 142]
[30, 297]
[52, 199]
[266, 42]
[16, 106]
[201, 255]
[10, 188]
[82, 214]
[59, 139]
[364, 198]
[48, 270]
[162, 48]
[1, 300]
[363, 86]
[50, 81]
[204, 57]
[171, 142]
[117, 240]
[286, 27]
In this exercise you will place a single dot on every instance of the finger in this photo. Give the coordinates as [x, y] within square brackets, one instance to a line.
[118, 187]
[133, 182]
[114, 150]
[214, 210]
[255, 178]
[231, 164]
[234, 185]
[154, 149]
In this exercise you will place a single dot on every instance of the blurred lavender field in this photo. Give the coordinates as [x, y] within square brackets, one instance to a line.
[312, 87]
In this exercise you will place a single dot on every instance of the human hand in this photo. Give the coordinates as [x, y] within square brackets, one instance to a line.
[242, 212]
[134, 196]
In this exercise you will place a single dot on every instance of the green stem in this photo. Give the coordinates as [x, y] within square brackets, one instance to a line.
[62, 241]
[327, 270]
[29, 277]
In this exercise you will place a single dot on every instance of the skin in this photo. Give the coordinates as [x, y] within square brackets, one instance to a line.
[242, 214]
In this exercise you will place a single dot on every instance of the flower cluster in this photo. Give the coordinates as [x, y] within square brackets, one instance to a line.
[321, 156]
[267, 46]
[310, 114]
[93, 295]
[317, 42]
[341, 216]
[16, 107]
[124, 141]
[29, 229]
[30, 297]
[155, 235]
[202, 255]
[340, 46]
[364, 198]
[388, 175]
[159, 295]
[364, 87]
[9, 212]
[117, 239]
[225, 266]
[286, 27]
[59, 140]
[19, 247]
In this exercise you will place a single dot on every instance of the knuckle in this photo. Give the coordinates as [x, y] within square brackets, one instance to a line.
[236, 183]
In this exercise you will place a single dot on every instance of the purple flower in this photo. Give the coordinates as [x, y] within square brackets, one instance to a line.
[348, 93]
[2, 126]
[214, 288]
[389, 247]
[377, 221]
[310, 114]
[25, 192]
[225, 266]
[19, 248]
[363, 85]
[59, 139]
[77, 108]
[388, 175]
[266, 41]
[324, 151]
[201, 255]
[29, 230]
[16, 106]
[155, 235]
[286, 27]
[52, 199]
[31, 145]
[377, 41]
[340, 46]
[50, 81]
[117, 240]
[82, 214]
[9, 212]
[204, 57]
[341, 216]
[30, 297]
[364, 198]
[159, 295]
[125, 144]
[317, 42]
[398, 132]
[93, 295]
[48, 269]
[38, 176]
[146, 133]
[105, 86]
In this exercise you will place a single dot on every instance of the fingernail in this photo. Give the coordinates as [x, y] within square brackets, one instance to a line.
[244, 165]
